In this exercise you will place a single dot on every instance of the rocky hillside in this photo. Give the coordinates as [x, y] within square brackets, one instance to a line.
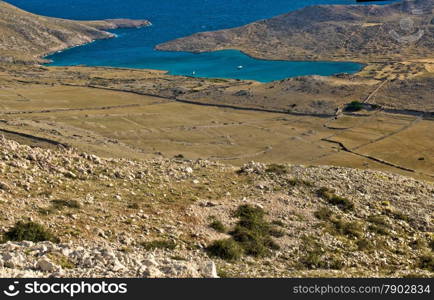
[65, 213]
[24, 37]
[328, 32]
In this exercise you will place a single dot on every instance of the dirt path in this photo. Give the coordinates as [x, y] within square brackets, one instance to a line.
[409, 125]
[375, 91]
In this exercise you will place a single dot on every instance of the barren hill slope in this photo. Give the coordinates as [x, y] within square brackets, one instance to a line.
[25, 36]
[167, 217]
[326, 32]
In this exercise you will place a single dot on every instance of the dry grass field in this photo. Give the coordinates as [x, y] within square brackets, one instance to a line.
[121, 124]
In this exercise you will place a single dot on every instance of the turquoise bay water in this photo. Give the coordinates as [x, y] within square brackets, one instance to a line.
[134, 48]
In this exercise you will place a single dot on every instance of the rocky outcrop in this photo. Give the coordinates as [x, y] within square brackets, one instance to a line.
[151, 218]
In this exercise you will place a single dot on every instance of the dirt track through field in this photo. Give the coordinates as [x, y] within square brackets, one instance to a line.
[362, 120]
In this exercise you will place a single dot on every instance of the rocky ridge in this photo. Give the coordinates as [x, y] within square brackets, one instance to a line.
[25, 37]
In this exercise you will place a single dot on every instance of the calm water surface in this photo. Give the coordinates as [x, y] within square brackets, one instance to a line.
[134, 48]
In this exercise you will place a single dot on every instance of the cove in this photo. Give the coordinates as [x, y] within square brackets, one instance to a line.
[228, 64]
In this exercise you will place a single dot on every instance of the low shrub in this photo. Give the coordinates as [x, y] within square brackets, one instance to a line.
[249, 212]
[226, 249]
[252, 234]
[29, 231]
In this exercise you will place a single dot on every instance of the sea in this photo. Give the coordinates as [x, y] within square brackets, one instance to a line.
[135, 48]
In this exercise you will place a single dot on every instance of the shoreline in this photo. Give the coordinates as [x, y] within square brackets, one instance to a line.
[361, 66]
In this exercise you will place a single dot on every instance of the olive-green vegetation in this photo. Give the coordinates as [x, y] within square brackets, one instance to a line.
[354, 106]
[252, 236]
[217, 226]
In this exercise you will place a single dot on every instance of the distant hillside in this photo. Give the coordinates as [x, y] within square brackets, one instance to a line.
[24, 37]
[326, 32]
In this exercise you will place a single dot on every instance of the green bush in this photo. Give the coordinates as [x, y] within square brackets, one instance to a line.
[226, 249]
[354, 106]
[252, 233]
[29, 231]
[249, 212]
